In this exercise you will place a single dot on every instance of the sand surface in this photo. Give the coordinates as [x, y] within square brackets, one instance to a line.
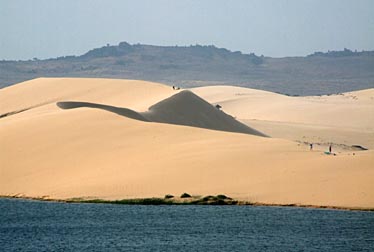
[85, 151]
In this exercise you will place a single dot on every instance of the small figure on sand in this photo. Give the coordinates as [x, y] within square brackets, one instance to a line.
[176, 88]
[311, 146]
[330, 148]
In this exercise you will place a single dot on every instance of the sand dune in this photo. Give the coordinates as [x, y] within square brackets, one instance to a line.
[94, 151]
[47, 91]
[343, 119]
[184, 108]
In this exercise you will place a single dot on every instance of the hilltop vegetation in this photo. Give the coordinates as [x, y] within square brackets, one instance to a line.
[346, 52]
[190, 66]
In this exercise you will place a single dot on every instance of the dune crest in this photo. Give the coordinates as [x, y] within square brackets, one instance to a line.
[116, 110]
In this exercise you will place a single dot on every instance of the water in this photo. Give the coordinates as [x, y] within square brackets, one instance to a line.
[47, 226]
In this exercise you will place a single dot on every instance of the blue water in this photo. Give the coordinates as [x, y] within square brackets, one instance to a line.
[47, 226]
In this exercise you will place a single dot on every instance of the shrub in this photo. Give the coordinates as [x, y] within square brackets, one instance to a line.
[222, 197]
[185, 195]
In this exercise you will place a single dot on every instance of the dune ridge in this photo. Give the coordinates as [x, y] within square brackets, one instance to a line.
[119, 111]
[186, 108]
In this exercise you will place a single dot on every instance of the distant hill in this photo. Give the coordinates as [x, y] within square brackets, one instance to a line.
[191, 66]
[345, 53]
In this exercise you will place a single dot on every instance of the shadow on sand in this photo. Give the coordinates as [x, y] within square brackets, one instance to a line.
[117, 110]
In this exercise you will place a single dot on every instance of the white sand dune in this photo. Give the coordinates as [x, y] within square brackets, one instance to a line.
[47, 91]
[344, 119]
[92, 152]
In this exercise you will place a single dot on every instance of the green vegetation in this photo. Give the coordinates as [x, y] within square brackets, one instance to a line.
[215, 200]
[195, 200]
[222, 197]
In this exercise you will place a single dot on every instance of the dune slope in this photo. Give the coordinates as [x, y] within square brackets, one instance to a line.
[186, 108]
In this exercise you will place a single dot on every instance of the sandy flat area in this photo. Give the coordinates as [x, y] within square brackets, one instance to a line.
[95, 145]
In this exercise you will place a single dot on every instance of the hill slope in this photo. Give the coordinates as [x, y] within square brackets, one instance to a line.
[206, 65]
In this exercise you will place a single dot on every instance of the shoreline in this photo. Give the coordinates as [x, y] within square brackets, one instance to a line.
[219, 200]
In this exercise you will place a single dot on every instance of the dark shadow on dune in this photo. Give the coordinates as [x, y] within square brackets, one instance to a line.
[183, 108]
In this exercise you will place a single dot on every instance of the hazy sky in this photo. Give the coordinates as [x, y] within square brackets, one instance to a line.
[51, 28]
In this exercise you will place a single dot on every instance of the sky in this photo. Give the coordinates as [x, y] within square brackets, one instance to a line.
[276, 28]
